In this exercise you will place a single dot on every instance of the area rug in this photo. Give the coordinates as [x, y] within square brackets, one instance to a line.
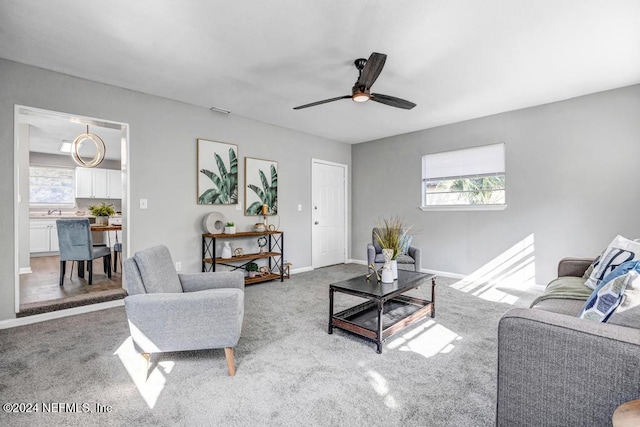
[290, 371]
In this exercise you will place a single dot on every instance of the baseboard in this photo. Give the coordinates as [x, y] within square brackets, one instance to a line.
[36, 318]
[25, 270]
[424, 270]
[443, 273]
[301, 270]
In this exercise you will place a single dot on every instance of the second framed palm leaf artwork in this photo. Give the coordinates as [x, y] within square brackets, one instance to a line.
[261, 187]
[217, 173]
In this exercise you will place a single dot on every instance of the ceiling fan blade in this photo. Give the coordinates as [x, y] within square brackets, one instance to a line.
[372, 69]
[392, 101]
[313, 104]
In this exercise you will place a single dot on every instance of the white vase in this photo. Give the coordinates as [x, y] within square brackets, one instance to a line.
[230, 230]
[387, 274]
[226, 251]
[394, 268]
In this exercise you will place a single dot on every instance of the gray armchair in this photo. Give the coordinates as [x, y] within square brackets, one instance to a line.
[74, 240]
[410, 261]
[168, 311]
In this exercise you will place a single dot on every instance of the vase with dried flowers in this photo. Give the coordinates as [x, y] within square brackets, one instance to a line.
[390, 234]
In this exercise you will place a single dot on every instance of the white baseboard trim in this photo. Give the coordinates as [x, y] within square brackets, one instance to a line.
[301, 270]
[443, 273]
[25, 270]
[21, 321]
[423, 270]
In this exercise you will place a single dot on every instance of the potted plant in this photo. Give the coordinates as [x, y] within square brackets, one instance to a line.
[252, 268]
[102, 212]
[390, 235]
[230, 228]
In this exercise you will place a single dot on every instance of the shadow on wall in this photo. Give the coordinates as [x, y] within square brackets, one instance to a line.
[506, 276]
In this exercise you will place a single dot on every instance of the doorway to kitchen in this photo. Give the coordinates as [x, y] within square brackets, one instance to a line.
[52, 182]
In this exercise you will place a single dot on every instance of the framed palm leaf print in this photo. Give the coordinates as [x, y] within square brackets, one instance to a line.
[261, 187]
[217, 173]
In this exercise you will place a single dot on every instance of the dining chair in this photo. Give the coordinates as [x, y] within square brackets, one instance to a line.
[76, 244]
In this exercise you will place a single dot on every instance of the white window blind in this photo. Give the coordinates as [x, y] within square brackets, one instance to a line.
[466, 178]
[485, 160]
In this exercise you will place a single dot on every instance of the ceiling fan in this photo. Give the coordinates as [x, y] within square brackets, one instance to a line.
[369, 70]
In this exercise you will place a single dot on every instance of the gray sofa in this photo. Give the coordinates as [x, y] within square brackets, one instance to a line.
[555, 369]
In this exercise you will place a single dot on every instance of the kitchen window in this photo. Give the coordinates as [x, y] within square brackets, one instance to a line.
[466, 179]
[51, 186]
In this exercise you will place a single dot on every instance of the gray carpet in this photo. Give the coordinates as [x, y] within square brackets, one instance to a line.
[290, 372]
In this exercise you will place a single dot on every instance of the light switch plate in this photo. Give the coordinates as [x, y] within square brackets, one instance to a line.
[143, 203]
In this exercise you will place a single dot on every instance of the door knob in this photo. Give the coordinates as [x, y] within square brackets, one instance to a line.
[317, 222]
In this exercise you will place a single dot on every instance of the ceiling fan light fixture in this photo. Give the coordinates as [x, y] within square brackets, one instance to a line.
[360, 96]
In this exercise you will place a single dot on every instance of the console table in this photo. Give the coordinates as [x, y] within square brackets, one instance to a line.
[274, 255]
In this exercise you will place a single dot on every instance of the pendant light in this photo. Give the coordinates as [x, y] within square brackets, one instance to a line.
[100, 149]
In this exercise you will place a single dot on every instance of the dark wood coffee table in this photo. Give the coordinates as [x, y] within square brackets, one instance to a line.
[386, 310]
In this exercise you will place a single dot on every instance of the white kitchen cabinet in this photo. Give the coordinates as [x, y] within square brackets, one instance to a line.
[43, 236]
[84, 183]
[100, 190]
[114, 183]
[94, 183]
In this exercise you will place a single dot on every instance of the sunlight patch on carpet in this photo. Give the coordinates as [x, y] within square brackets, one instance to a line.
[427, 339]
[150, 388]
[501, 279]
[380, 386]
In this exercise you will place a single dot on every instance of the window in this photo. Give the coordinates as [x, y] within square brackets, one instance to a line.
[50, 185]
[472, 178]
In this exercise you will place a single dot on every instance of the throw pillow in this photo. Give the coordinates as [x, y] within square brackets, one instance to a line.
[619, 251]
[608, 295]
[587, 273]
[405, 242]
[628, 312]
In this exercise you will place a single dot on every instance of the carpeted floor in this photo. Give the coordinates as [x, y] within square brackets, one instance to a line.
[290, 372]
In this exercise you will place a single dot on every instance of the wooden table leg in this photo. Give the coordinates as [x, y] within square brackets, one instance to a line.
[627, 414]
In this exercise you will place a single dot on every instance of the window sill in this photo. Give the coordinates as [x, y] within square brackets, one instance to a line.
[464, 208]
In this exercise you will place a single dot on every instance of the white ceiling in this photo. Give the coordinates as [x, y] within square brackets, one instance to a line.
[456, 59]
[48, 130]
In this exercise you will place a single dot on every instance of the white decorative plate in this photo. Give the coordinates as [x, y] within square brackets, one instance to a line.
[213, 223]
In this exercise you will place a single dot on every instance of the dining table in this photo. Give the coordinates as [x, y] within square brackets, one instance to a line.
[117, 247]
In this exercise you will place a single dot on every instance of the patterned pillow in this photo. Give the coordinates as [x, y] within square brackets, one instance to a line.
[608, 295]
[619, 250]
[595, 262]
[628, 312]
[405, 242]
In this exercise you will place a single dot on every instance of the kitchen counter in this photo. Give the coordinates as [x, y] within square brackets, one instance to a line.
[64, 215]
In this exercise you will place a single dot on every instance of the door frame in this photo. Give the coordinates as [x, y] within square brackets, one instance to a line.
[345, 168]
[124, 167]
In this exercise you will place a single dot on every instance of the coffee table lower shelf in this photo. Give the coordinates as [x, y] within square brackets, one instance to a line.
[397, 313]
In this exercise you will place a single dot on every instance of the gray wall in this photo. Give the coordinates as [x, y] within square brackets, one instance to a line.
[162, 164]
[572, 170]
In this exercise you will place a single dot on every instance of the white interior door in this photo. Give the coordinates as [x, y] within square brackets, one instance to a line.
[328, 213]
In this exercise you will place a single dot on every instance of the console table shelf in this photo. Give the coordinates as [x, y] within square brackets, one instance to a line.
[274, 255]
